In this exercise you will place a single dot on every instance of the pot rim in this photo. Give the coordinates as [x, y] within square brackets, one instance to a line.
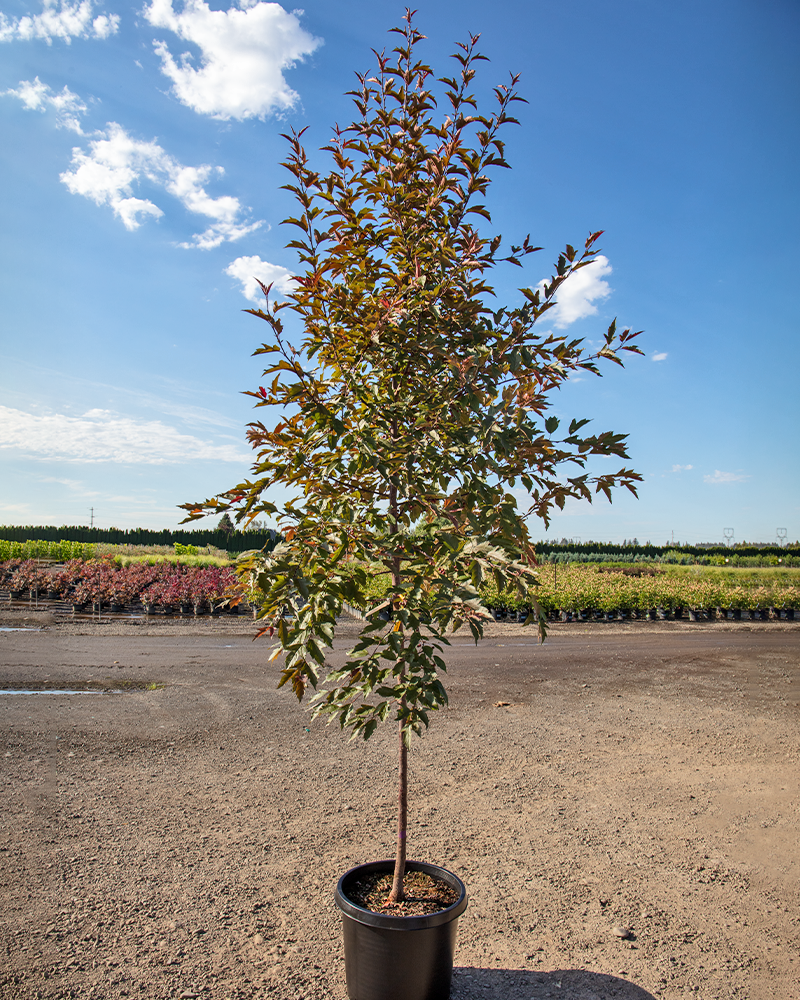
[386, 921]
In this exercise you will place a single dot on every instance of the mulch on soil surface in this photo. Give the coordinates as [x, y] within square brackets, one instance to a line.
[424, 894]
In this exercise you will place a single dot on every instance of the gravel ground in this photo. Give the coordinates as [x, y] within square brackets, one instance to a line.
[185, 840]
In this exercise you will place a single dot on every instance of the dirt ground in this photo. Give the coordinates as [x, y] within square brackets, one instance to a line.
[185, 841]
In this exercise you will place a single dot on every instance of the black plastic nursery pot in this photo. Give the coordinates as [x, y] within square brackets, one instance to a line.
[399, 958]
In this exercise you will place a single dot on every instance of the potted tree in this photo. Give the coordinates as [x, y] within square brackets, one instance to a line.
[409, 407]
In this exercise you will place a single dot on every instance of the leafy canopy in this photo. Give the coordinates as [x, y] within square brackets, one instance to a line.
[410, 407]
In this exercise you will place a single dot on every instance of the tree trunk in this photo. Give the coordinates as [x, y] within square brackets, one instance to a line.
[397, 894]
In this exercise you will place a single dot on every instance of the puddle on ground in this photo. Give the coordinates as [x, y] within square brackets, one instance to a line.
[90, 687]
[19, 628]
[58, 691]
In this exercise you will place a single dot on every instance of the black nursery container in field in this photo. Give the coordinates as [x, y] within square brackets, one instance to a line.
[390, 957]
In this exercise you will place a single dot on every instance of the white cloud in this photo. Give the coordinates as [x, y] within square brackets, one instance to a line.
[247, 269]
[15, 508]
[243, 53]
[575, 299]
[64, 20]
[116, 161]
[104, 436]
[78, 488]
[73, 485]
[169, 394]
[660, 357]
[38, 96]
[681, 468]
[725, 477]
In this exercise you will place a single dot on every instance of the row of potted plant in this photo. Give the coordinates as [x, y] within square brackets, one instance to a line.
[102, 582]
[503, 613]
[39, 549]
[584, 587]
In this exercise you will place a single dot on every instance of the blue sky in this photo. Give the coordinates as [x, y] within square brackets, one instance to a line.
[140, 165]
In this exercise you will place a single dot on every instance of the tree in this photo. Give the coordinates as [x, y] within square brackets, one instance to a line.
[409, 407]
[226, 524]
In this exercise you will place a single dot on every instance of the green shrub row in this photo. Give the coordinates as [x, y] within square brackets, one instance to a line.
[581, 587]
[230, 541]
[675, 557]
[62, 550]
[611, 551]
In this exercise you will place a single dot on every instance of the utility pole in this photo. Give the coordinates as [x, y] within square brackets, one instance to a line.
[91, 522]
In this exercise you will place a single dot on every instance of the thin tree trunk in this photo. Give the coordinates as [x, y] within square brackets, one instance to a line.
[397, 894]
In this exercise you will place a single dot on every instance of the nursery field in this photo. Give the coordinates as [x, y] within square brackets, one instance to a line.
[618, 588]
[586, 590]
[197, 583]
[185, 841]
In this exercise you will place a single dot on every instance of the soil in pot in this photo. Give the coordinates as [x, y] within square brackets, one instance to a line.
[424, 894]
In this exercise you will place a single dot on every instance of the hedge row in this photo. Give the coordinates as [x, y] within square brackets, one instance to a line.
[241, 541]
[637, 552]
[230, 541]
[676, 557]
